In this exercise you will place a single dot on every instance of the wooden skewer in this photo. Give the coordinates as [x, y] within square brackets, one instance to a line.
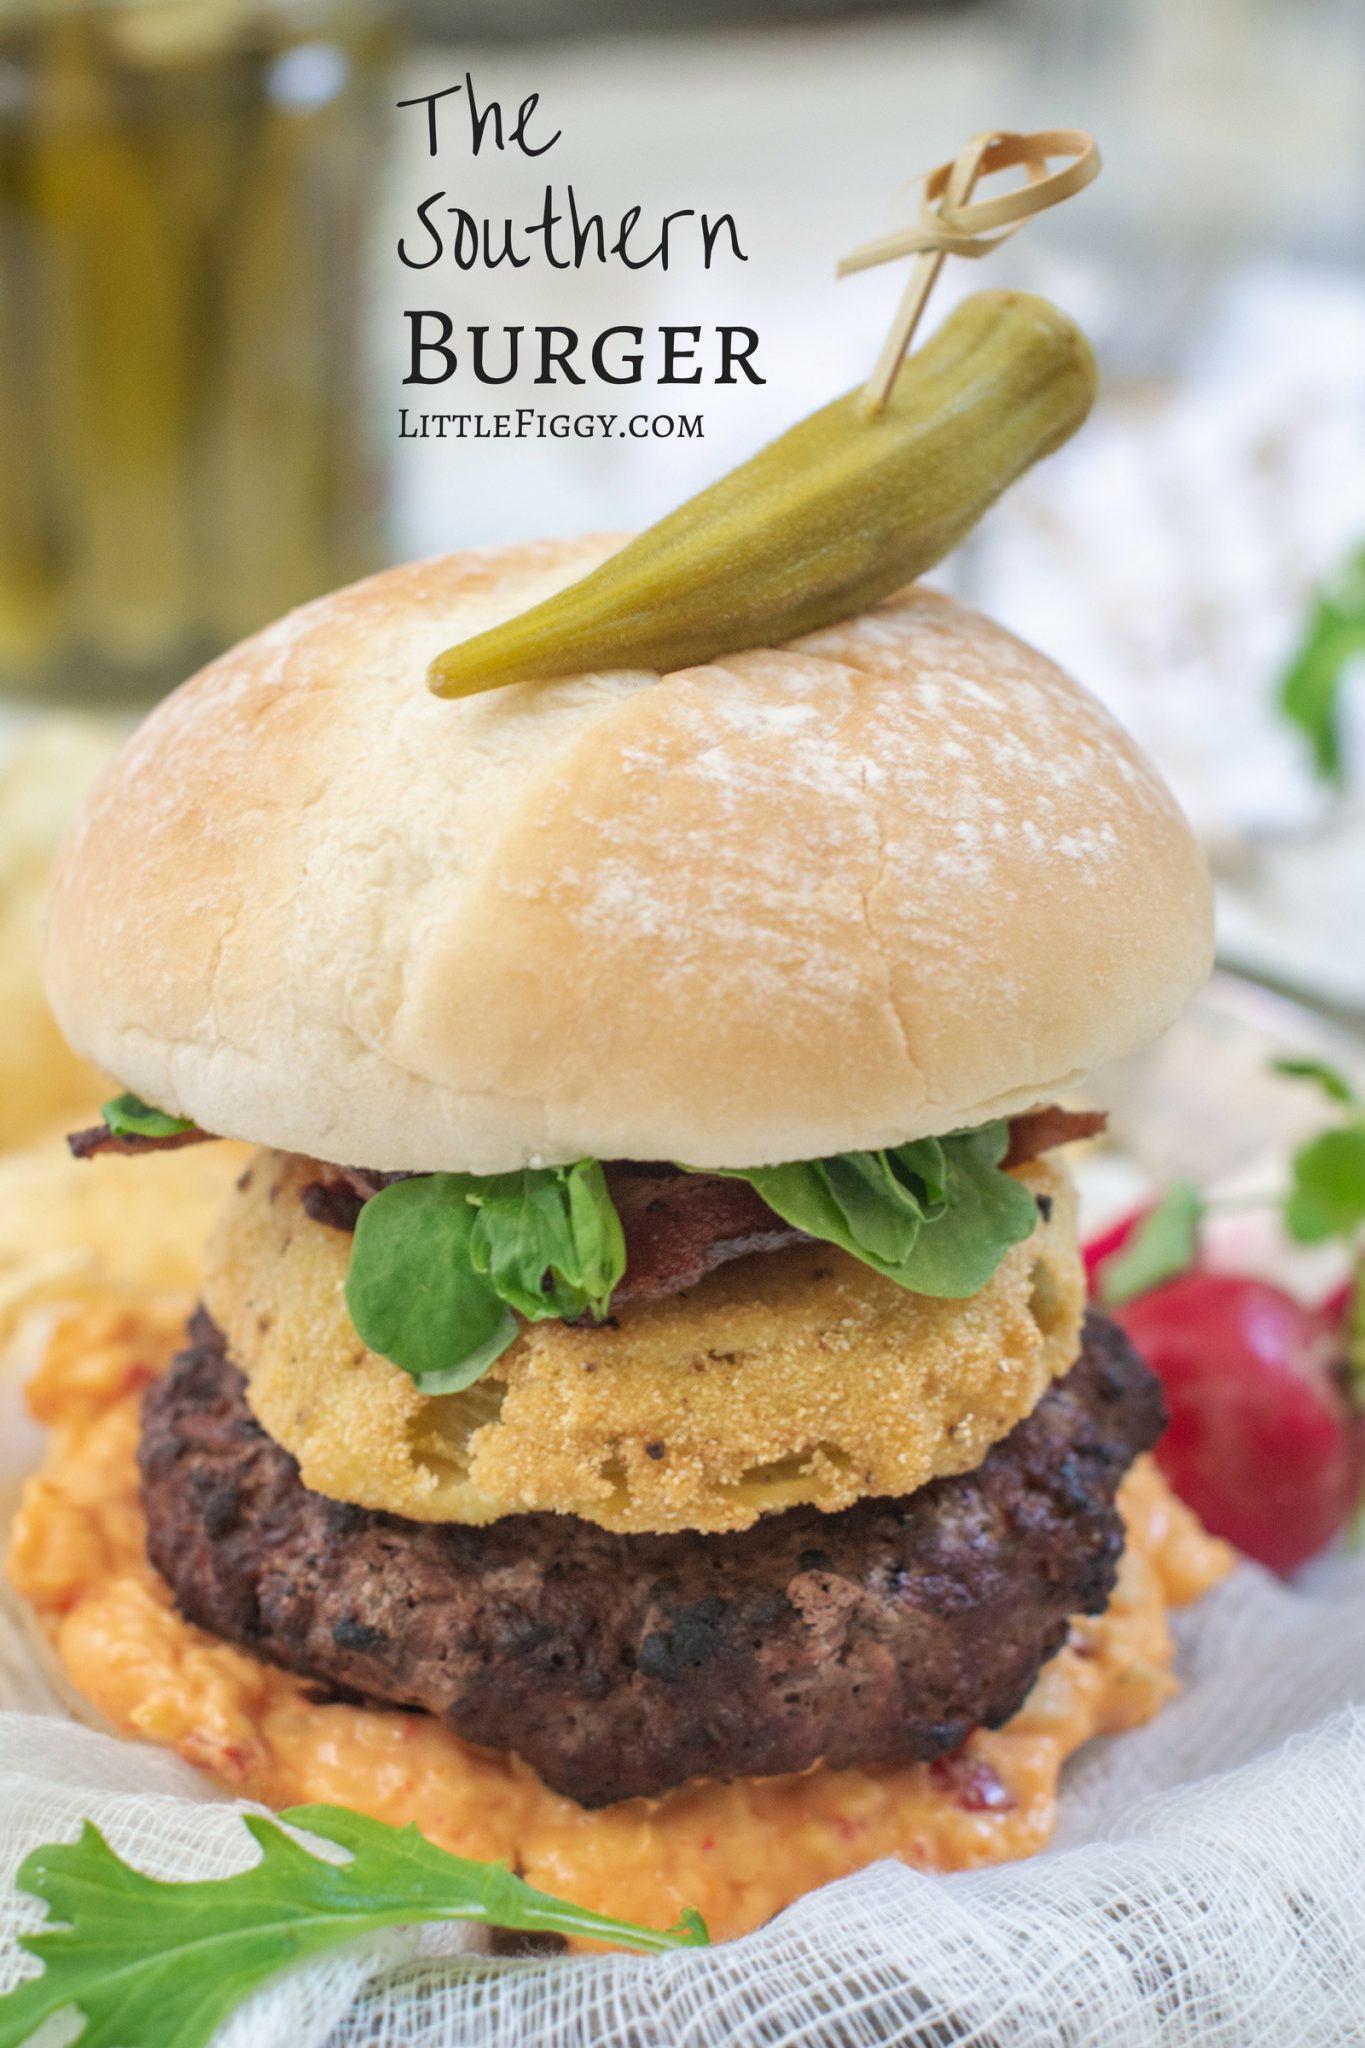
[950, 224]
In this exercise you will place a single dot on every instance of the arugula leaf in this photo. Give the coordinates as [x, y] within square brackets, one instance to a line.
[985, 1211]
[149, 1964]
[439, 1262]
[1331, 1080]
[128, 1116]
[936, 1216]
[1327, 1196]
[550, 1240]
[1165, 1243]
[412, 1290]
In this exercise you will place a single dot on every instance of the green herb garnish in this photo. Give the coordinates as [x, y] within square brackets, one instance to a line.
[1324, 1198]
[936, 1216]
[1164, 1244]
[147, 1964]
[128, 1116]
[1310, 690]
[440, 1262]
[550, 1241]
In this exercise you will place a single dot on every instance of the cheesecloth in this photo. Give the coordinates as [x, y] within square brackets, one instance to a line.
[1207, 1886]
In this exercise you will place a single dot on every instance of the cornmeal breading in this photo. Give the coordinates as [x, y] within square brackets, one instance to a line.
[797, 1376]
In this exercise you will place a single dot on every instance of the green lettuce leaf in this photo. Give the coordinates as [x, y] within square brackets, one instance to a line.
[439, 1263]
[148, 1964]
[936, 1216]
[128, 1116]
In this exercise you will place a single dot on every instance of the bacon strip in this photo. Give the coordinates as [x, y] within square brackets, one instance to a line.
[88, 1144]
[338, 1200]
[680, 1226]
[333, 1202]
[1040, 1130]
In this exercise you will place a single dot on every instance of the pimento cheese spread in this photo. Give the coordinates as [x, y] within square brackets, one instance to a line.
[739, 1852]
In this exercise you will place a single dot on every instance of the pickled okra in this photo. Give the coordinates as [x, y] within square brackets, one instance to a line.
[839, 512]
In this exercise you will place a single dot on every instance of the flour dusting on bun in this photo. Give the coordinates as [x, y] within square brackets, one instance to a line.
[889, 881]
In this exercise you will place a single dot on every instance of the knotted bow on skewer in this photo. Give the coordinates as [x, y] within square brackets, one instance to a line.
[952, 224]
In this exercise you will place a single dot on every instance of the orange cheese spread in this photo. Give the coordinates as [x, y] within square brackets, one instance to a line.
[738, 1852]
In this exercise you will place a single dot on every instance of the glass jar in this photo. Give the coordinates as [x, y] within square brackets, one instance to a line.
[184, 189]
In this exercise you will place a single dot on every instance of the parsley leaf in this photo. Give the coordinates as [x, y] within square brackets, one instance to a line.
[936, 1216]
[1164, 1244]
[149, 1964]
[440, 1261]
[1310, 690]
[128, 1116]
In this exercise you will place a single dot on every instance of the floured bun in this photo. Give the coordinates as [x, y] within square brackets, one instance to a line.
[891, 880]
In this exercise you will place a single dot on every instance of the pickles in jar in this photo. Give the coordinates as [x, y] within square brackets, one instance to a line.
[184, 191]
[826, 521]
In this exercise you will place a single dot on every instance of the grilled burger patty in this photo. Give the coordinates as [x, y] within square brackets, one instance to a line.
[623, 1665]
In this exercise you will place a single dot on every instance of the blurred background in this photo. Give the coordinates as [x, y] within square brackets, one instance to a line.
[201, 354]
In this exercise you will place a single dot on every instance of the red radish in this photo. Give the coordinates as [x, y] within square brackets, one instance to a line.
[1337, 1304]
[1264, 1443]
[1109, 1241]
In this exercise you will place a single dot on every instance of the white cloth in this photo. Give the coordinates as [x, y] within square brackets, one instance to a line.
[1207, 1888]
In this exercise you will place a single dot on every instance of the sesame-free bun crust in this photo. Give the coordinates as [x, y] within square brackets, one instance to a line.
[893, 879]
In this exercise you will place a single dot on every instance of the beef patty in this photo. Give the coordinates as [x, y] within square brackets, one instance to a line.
[623, 1665]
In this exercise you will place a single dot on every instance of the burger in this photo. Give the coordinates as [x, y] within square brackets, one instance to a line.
[642, 1418]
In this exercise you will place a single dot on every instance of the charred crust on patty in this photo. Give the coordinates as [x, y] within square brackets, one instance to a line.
[622, 1665]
